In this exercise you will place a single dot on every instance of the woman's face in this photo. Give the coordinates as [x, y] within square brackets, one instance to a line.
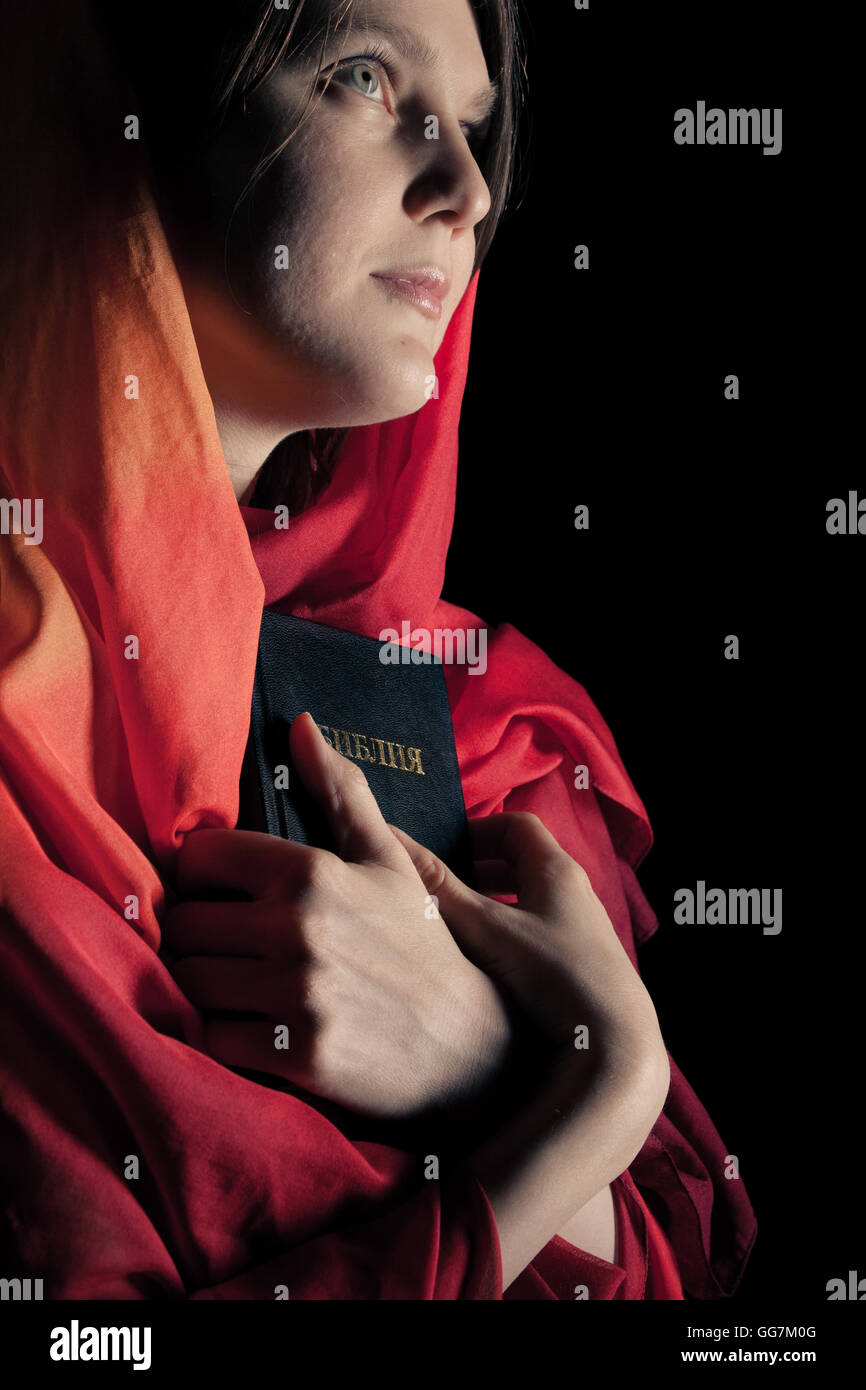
[302, 329]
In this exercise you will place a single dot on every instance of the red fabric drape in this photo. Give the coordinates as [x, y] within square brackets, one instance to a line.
[132, 1164]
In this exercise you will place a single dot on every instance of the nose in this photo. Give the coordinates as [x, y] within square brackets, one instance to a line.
[450, 186]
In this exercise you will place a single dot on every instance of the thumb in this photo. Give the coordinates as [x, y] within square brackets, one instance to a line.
[477, 924]
[343, 792]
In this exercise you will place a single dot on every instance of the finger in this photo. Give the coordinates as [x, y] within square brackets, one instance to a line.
[239, 860]
[217, 982]
[253, 1046]
[226, 929]
[342, 790]
[494, 876]
[468, 915]
[543, 872]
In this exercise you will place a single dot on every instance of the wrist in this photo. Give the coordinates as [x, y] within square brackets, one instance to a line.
[614, 1026]
[491, 1035]
[627, 1064]
[520, 1069]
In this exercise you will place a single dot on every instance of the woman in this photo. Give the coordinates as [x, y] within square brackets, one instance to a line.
[208, 278]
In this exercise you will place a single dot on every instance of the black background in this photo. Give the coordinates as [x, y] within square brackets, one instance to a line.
[707, 517]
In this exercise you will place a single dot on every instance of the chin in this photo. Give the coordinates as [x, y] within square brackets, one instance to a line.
[395, 389]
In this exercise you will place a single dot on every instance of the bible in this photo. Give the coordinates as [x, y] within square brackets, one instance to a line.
[393, 720]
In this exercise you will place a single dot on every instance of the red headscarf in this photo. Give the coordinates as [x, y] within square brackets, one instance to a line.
[134, 1165]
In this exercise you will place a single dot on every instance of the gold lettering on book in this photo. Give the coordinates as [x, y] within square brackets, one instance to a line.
[407, 759]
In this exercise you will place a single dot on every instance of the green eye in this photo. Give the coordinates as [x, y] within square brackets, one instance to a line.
[369, 82]
[363, 70]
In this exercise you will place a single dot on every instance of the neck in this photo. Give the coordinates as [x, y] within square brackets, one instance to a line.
[243, 384]
[246, 444]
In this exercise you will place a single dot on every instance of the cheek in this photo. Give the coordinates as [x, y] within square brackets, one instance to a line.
[333, 214]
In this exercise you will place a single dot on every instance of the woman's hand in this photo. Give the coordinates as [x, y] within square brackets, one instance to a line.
[343, 955]
[548, 1167]
[555, 952]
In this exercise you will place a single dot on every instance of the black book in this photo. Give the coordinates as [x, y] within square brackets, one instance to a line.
[394, 720]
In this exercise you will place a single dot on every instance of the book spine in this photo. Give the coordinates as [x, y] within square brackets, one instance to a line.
[261, 716]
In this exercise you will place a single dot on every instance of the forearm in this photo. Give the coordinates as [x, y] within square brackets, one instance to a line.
[579, 1133]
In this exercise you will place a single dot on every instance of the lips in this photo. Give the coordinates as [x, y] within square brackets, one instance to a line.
[424, 289]
[429, 278]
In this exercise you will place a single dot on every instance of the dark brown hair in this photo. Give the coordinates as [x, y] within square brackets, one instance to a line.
[194, 84]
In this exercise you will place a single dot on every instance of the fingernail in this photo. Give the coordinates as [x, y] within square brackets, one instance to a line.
[319, 731]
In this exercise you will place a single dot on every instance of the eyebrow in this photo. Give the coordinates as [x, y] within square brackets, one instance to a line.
[415, 49]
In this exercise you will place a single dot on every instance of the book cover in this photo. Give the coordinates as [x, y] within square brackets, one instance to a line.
[394, 720]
